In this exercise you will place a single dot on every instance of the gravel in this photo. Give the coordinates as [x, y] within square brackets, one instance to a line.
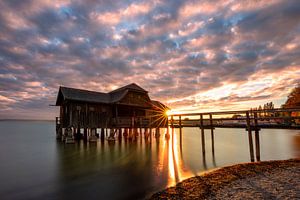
[260, 180]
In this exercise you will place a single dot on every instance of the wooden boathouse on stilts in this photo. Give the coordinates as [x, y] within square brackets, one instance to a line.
[82, 112]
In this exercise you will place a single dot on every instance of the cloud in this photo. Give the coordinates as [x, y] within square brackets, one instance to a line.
[192, 55]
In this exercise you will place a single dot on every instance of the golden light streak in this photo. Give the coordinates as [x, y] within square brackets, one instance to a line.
[175, 163]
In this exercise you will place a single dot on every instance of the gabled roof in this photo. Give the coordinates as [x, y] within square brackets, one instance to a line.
[131, 86]
[82, 95]
[159, 106]
[117, 96]
[96, 97]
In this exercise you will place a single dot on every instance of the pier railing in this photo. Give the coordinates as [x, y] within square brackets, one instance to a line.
[274, 118]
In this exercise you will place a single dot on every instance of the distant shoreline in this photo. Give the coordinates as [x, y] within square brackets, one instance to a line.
[260, 180]
[42, 120]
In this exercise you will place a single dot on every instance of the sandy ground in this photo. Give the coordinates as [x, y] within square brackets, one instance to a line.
[260, 180]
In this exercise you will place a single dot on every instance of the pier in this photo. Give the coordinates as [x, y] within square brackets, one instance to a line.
[128, 112]
[251, 120]
[130, 127]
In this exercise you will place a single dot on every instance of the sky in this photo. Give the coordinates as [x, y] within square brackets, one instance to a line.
[193, 56]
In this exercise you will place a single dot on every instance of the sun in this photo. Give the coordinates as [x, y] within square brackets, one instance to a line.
[168, 112]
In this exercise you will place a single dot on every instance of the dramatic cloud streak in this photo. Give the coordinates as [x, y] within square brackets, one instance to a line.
[192, 55]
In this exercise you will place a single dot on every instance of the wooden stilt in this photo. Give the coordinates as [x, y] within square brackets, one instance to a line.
[102, 136]
[212, 133]
[63, 130]
[112, 133]
[125, 133]
[157, 132]
[250, 137]
[78, 134]
[130, 133]
[93, 137]
[59, 133]
[202, 134]
[85, 134]
[180, 130]
[136, 134]
[120, 134]
[146, 133]
[168, 133]
[257, 145]
[172, 129]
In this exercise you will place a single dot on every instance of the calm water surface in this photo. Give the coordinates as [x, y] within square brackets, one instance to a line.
[33, 165]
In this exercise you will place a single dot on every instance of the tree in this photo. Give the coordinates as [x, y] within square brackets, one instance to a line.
[259, 109]
[293, 99]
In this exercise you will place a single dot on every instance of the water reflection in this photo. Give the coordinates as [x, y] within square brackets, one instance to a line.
[144, 162]
[296, 145]
[35, 166]
[173, 161]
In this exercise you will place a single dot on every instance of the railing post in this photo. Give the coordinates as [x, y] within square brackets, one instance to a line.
[202, 134]
[257, 145]
[250, 136]
[180, 121]
[212, 133]
[180, 129]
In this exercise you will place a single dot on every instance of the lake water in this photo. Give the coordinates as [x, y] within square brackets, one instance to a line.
[33, 165]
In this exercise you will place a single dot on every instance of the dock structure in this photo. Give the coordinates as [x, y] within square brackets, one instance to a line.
[129, 112]
[82, 112]
[250, 120]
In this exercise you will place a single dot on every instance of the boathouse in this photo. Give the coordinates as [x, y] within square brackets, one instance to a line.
[126, 107]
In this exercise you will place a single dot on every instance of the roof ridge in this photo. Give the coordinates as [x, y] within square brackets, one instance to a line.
[83, 90]
[128, 87]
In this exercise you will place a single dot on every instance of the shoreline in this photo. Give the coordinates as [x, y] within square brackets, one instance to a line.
[258, 180]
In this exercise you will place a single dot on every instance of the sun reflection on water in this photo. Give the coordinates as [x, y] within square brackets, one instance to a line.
[176, 168]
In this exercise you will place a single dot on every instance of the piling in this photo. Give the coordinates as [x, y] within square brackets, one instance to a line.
[250, 136]
[120, 134]
[167, 136]
[202, 134]
[102, 136]
[85, 134]
[125, 133]
[212, 133]
[180, 130]
[257, 145]
[78, 134]
[157, 132]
